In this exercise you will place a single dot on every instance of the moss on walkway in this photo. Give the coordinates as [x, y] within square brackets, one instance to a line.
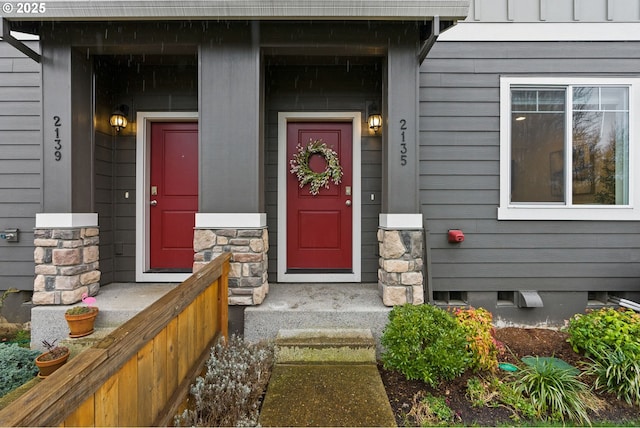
[326, 395]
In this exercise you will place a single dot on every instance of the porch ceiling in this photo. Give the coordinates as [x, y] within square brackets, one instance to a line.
[87, 10]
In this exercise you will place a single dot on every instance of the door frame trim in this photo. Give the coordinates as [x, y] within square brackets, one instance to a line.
[354, 117]
[144, 119]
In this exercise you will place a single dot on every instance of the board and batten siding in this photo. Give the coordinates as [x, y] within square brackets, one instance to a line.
[103, 179]
[459, 175]
[325, 88]
[553, 10]
[20, 162]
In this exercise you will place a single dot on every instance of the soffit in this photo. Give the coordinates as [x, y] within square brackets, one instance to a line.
[88, 10]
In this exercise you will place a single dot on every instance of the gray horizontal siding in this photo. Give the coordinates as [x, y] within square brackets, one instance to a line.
[460, 184]
[20, 167]
[19, 151]
[524, 256]
[525, 227]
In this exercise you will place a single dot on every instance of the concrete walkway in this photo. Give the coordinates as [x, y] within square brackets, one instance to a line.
[333, 382]
[330, 395]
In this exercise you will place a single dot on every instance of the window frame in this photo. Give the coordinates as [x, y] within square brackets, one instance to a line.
[560, 211]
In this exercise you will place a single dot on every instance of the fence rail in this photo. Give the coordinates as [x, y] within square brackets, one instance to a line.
[139, 374]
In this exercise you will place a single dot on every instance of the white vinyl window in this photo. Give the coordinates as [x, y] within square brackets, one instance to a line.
[567, 148]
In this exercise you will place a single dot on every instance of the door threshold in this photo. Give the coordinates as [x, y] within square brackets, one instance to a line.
[317, 271]
[169, 270]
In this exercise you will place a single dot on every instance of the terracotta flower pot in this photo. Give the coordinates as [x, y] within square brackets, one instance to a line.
[48, 366]
[82, 324]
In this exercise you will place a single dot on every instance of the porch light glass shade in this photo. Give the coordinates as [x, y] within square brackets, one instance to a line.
[118, 120]
[375, 122]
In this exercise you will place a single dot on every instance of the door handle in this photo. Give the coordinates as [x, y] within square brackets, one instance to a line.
[348, 203]
[153, 203]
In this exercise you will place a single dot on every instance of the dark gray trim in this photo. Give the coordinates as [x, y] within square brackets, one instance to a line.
[5, 28]
[400, 128]
[229, 105]
[87, 10]
[56, 101]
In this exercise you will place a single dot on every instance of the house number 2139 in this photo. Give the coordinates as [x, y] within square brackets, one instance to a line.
[57, 147]
[403, 144]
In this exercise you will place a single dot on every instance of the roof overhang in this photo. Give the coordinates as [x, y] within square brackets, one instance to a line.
[115, 10]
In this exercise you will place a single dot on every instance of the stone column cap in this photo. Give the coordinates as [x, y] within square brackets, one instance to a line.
[400, 221]
[62, 220]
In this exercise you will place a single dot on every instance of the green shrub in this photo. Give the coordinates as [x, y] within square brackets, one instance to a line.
[556, 392]
[616, 372]
[481, 341]
[604, 330]
[610, 338]
[424, 342]
[230, 393]
[18, 366]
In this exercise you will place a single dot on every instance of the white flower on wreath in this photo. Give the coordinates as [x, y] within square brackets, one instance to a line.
[300, 166]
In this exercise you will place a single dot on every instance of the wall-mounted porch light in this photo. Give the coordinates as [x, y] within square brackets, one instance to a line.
[118, 118]
[375, 118]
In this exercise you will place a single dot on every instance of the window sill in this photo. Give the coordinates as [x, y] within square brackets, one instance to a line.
[532, 212]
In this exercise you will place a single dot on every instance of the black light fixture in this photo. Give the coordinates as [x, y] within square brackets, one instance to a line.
[118, 118]
[375, 118]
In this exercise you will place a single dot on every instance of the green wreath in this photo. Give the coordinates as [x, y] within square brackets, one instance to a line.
[300, 166]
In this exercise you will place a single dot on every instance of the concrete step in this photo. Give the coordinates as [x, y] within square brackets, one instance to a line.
[79, 344]
[325, 346]
[317, 306]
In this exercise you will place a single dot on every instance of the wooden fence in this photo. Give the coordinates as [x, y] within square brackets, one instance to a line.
[140, 374]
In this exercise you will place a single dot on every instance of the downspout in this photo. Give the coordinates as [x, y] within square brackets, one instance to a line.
[431, 40]
[426, 265]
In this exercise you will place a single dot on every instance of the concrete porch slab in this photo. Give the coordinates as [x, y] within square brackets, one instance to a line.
[316, 306]
[118, 303]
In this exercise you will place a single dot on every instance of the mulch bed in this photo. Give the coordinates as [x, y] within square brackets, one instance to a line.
[519, 342]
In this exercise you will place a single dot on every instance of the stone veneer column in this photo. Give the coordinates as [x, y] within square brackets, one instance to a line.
[66, 258]
[245, 236]
[401, 242]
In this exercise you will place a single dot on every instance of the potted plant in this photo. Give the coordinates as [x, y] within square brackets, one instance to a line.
[81, 318]
[54, 358]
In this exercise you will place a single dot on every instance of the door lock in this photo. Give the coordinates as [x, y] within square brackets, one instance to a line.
[153, 203]
[348, 203]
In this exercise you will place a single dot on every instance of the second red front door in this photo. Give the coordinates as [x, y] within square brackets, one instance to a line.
[319, 227]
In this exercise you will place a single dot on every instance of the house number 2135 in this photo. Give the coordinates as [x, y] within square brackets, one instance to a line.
[403, 144]
[57, 147]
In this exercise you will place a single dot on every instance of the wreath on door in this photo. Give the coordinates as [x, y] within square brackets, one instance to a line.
[300, 166]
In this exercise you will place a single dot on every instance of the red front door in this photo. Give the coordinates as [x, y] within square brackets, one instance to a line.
[173, 195]
[319, 227]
